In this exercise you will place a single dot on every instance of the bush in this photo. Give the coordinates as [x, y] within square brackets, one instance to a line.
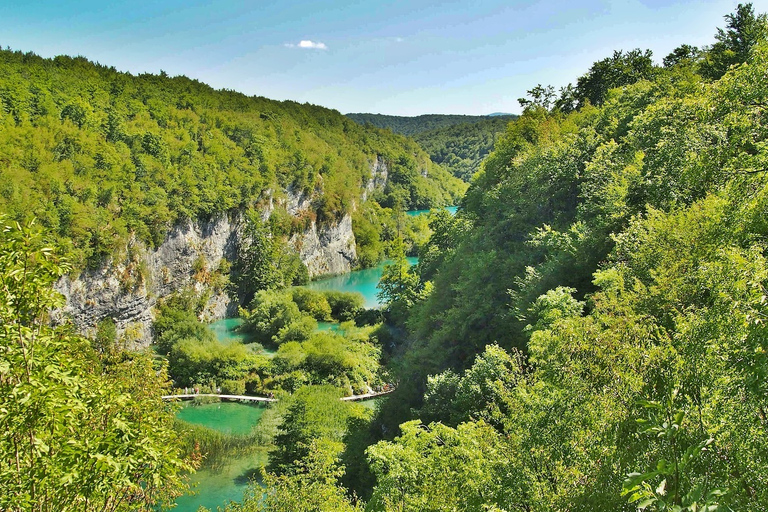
[233, 387]
[344, 305]
[268, 313]
[299, 330]
[313, 303]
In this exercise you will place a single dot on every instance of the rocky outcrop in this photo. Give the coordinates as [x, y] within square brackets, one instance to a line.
[329, 249]
[127, 287]
[378, 178]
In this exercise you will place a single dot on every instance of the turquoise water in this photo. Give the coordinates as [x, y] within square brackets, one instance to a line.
[225, 330]
[414, 213]
[360, 281]
[328, 326]
[228, 417]
[215, 487]
[218, 486]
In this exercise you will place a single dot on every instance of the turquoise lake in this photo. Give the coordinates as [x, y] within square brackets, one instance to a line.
[414, 213]
[360, 281]
[215, 487]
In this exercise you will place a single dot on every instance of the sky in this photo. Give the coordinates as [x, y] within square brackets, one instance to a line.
[390, 57]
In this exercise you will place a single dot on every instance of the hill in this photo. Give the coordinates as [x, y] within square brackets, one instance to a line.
[416, 124]
[461, 148]
[100, 156]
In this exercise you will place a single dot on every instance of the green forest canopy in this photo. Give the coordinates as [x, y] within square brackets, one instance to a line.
[98, 155]
[595, 337]
[407, 125]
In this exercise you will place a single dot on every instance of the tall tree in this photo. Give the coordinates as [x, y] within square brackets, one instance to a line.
[616, 71]
[743, 31]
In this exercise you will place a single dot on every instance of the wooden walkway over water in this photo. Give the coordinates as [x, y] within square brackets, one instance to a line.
[366, 396]
[190, 396]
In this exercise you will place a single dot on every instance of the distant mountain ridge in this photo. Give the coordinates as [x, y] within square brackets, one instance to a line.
[461, 148]
[418, 124]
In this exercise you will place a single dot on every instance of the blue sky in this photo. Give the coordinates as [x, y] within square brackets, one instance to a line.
[390, 57]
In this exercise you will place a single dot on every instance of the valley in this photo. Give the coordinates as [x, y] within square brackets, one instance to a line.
[561, 310]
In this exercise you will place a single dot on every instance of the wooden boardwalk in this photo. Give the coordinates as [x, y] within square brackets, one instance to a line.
[190, 396]
[366, 396]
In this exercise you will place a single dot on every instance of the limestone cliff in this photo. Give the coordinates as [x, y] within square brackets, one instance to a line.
[127, 287]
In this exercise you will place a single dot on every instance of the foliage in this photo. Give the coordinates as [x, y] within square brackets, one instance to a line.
[313, 303]
[315, 413]
[79, 432]
[734, 43]
[102, 156]
[665, 423]
[268, 313]
[617, 255]
[439, 468]
[619, 70]
[265, 261]
[312, 488]
[420, 124]
[344, 305]
[399, 286]
[460, 148]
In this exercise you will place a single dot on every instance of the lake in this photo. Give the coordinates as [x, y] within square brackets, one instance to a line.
[227, 482]
[414, 213]
[361, 281]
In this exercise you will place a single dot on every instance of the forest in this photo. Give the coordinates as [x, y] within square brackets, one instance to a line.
[416, 125]
[461, 148]
[587, 333]
[102, 157]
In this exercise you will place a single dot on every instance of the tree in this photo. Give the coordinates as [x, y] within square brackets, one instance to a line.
[315, 413]
[743, 31]
[681, 54]
[619, 70]
[399, 286]
[78, 433]
[312, 488]
[539, 96]
[440, 468]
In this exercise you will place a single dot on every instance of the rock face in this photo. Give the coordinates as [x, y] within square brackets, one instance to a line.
[327, 250]
[379, 176]
[127, 287]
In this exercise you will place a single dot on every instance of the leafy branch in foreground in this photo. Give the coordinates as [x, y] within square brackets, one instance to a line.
[673, 493]
[78, 433]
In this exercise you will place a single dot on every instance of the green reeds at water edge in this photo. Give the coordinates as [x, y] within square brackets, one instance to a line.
[216, 447]
[213, 446]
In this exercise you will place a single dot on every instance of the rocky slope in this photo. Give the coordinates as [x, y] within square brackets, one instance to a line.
[127, 287]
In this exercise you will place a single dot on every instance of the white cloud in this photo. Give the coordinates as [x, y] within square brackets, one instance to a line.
[308, 45]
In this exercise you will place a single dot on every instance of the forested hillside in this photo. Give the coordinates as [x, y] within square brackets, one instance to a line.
[100, 156]
[616, 255]
[417, 124]
[588, 333]
[461, 148]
